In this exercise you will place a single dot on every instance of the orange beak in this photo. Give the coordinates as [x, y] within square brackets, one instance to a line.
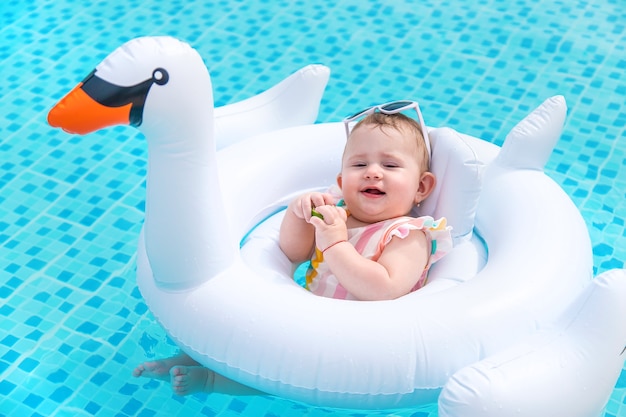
[79, 113]
[96, 103]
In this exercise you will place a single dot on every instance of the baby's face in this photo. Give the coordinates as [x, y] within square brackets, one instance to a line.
[380, 173]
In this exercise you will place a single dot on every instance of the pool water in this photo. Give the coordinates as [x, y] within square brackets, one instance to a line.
[73, 324]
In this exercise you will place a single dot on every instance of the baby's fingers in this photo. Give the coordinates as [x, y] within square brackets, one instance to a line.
[317, 214]
[299, 208]
[319, 199]
[331, 214]
[316, 221]
[341, 213]
[329, 199]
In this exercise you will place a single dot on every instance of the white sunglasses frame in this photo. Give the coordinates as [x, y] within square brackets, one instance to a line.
[381, 108]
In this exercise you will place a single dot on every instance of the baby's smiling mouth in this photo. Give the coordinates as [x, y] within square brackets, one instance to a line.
[373, 191]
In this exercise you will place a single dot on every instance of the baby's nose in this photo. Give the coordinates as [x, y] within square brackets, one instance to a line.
[373, 171]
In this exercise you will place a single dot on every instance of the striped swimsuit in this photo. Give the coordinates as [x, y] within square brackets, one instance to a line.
[370, 241]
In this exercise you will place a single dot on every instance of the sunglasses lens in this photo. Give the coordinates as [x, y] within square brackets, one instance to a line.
[396, 105]
[357, 114]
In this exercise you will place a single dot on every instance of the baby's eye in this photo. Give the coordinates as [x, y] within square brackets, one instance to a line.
[390, 165]
[359, 164]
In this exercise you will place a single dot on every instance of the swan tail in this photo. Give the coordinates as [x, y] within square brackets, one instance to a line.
[530, 143]
[569, 371]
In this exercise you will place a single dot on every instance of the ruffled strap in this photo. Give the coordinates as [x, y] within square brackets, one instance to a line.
[437, 232]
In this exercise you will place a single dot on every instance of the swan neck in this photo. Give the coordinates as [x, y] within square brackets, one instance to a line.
[186, 227]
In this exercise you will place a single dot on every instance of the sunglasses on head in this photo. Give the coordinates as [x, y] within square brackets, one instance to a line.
[392, 107]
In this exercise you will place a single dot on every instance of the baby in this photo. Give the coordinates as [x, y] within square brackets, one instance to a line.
[365, 246]
[368, 247]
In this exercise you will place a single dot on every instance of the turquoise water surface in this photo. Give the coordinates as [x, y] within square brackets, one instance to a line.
[73, 322]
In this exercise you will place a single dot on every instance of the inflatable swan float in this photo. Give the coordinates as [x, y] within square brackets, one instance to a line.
[511, 322]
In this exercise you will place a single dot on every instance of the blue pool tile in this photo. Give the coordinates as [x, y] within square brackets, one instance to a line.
[131, 407]
[93, 408]
[10, 356]
[237, 406]
[66, 307]
[87, 327]
[100, 378]
[621, 381]
[90, 285]
[90, 345]
[6, 387]
[129, 389]
[58, 376]
[120, 359]
[61, 394]
[612, 263]
[6, 310]
[34, 335]
[146, 413]
[28, 365]
[116, 338]
[95, 361]
[9, 340]
[65, 348]
[33, 400]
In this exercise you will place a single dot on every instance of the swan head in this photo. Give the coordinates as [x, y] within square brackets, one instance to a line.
[161, 86]
[141, 84]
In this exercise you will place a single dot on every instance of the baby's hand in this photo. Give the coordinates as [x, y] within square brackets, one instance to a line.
[331, 227]
[316, 214]
[303, 206]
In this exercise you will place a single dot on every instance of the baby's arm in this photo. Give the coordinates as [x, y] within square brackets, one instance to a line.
[297, 235]
[395, 273]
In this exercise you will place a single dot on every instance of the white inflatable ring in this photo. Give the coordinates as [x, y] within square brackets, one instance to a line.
[521, 331]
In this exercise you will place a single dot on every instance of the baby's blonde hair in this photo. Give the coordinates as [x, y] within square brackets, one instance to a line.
[400, 122]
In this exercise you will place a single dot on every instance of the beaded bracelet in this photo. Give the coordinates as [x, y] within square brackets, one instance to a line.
[333, 244]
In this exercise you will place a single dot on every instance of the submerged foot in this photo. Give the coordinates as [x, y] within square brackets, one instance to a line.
[187, 380]
[160, 369]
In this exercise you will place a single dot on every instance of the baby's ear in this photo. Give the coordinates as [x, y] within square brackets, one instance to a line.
[339, 180]
[427, 184]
